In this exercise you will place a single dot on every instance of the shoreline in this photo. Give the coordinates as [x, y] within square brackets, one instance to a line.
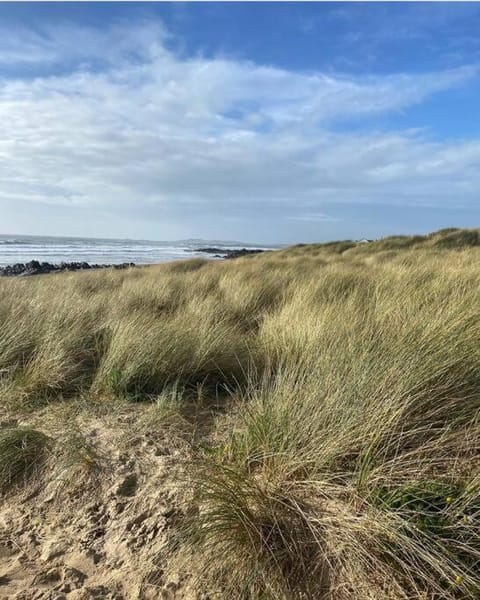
[35, 267]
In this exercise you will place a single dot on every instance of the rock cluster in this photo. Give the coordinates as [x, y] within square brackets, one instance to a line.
[34, 267]
[226, 253]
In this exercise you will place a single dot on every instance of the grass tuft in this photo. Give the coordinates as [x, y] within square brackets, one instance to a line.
[23, 453]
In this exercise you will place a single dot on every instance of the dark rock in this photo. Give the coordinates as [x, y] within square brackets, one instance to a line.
[210, 250]
[34, 267]
[229, 253]
[243, 252]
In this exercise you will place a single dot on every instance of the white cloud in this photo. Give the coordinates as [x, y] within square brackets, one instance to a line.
[130, 130]
[58, 43]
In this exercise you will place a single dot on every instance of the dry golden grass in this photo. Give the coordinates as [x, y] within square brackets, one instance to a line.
[346, 464]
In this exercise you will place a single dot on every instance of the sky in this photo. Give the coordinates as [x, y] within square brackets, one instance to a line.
[260, 122]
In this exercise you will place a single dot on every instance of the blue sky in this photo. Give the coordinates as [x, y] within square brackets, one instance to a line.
[263, 122]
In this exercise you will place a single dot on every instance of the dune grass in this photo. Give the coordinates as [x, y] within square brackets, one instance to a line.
[23, 452]
[343, 382]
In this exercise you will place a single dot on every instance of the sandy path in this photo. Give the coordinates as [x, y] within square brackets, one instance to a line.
[106, 539]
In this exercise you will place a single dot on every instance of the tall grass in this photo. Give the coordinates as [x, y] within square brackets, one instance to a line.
[346, 465]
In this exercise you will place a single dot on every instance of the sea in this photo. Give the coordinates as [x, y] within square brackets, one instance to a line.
[24, 248]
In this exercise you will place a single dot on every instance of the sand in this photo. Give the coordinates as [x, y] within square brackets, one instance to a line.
[102, 534]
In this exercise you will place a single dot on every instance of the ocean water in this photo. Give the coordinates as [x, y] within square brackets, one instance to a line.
[23, 248]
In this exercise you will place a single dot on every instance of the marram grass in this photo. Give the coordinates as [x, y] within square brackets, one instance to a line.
[343, 381]
[23, 453]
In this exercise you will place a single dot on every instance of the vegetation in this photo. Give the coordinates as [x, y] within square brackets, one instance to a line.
[342, 383]
[23, 452]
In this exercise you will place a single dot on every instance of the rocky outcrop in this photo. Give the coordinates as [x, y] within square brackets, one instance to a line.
[34, 267]
[227, 253]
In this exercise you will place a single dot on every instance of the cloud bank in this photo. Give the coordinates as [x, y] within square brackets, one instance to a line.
[115, 129]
